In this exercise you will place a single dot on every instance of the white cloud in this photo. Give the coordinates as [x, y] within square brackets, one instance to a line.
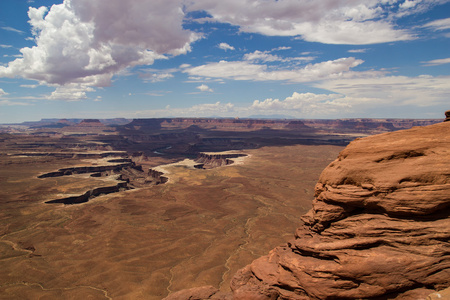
[70, 92]
[225, 46]
[355, 97]
[13, 103]
[243, 70]
[205, 88]
[199, 110]
[215, 108]
[392, 91]
[281, 48]
[7, 28]
[303, 104]
[8, 102]
[5, 46]
[154, 75]
[326, 21]
[157, 93]
[81, 44]
[377, 96]
[30, 86]
[262, 56]
[183, 66]
[437, 62]
[265, 56]
[409, 4]
[357, 51]
[441, 24]
[155, 25]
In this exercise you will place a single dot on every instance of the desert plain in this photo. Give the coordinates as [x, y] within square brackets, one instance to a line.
[146, 237]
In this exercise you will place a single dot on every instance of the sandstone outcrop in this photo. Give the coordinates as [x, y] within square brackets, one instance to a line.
[370, 126]
[91, 194]
[447, 116]
[378, 229]
[214, 160]
[157, 176]
[90, 169]
[90, 122]
[225, 124]
[124, 172]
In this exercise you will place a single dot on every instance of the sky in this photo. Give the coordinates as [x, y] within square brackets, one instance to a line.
[304, 59]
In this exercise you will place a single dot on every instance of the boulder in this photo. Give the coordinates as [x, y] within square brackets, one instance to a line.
[447, 116]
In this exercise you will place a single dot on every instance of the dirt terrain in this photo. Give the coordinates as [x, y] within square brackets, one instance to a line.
[136, 211]
[199, 228]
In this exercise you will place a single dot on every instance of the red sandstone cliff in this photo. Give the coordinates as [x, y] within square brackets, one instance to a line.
[378, 229]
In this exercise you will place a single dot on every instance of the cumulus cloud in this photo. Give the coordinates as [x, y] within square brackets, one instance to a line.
[70, 92]
[303, 104]
[205, 88]
[155, 25]
[81, 44]
[244, 70]
[225, 46]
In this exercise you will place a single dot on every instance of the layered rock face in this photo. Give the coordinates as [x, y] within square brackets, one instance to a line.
[210, 161]
[379, 227]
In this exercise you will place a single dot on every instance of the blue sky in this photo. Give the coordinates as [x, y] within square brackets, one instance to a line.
[234, 58]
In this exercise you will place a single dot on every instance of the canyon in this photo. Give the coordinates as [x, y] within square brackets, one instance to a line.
[378, 228]
[151, 208]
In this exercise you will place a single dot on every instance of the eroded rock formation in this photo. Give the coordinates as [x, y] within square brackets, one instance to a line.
[91, 194]
[214, 160]
[378, 229]
[125, 173]
[447, 116]
[157, 176]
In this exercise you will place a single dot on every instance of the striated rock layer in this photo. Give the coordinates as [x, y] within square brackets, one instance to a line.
[379, 227]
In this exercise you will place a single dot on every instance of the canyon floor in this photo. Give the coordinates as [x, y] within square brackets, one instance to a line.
[197, 229]
[145, 222]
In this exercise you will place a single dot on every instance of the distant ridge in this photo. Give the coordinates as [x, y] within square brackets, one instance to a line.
[43, 123]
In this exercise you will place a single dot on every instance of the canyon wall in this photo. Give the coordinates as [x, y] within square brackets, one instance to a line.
[378, 229]
[214, 160]
[335, 125]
